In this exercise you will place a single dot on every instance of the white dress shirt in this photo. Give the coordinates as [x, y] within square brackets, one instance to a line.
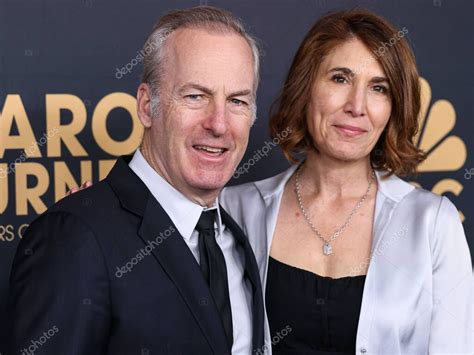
[185, 214]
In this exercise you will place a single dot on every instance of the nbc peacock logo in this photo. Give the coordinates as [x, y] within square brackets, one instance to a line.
[445, 152]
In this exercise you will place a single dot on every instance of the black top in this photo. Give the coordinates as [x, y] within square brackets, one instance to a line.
[312, 314]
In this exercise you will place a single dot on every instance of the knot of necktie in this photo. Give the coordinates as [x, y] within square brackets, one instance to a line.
[206, 221]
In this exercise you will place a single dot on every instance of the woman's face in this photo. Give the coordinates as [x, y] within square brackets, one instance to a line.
[350, 103]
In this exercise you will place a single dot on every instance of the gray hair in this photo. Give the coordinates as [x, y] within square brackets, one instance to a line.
[207, 17]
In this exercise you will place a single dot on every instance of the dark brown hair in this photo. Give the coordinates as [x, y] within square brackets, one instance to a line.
[395, 150]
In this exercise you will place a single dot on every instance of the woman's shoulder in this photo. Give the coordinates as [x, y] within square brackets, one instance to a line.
[410, 195]
[439, 206]
[421, 206]
[428, 206]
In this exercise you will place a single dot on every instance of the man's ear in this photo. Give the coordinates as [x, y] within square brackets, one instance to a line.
[144, 105]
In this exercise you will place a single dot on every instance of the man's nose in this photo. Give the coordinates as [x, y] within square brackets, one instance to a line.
[217, 120]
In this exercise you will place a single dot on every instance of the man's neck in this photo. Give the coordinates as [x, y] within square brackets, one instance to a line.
[204, 198]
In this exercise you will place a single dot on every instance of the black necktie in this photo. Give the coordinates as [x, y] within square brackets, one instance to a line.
[214, 269]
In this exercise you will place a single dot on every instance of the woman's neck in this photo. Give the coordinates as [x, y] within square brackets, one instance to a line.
[330, 179]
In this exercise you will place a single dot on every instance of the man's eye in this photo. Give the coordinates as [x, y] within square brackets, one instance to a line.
[338, 78]
[194, 97]
[238, 102]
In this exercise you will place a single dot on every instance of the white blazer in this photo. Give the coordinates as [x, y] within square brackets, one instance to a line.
[417, 297]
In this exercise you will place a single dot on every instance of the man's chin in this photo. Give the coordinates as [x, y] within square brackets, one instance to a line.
[210, 181]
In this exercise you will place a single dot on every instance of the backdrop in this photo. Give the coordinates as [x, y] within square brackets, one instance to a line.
[69, 70]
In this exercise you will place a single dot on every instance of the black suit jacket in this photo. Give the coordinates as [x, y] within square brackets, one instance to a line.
[105, 271]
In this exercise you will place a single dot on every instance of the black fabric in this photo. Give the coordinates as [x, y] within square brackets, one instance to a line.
[322, 313]
[214, 269]
[107, 272]
[252, 274]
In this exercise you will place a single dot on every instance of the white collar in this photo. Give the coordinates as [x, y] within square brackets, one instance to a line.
[183, 212]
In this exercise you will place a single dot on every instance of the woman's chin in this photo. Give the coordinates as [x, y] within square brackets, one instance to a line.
[348, 156]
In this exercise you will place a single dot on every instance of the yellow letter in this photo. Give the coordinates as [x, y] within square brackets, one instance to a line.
[63, 177]
[104, 168]
[14, 109]
[99, 124]
[25, 194]
[66, 133]
[3, 187]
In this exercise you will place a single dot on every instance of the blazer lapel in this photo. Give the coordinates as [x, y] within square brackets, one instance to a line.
[373, 279]
[171, 252]
[272, 190]
[390, 192]
[251, 271]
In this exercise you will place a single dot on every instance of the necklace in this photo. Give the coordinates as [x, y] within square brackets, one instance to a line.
[327, 247]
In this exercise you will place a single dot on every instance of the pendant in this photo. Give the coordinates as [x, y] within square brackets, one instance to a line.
[327, 249]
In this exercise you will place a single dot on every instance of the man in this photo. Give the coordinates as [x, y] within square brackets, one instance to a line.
[153, 265]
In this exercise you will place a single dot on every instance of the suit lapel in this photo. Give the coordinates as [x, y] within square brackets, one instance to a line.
[178, 262]
[251, 271]
[171, 252]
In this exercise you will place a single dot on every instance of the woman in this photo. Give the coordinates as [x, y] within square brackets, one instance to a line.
[353, 258]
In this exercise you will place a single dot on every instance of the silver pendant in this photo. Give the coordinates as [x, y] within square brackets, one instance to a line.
[327, 249]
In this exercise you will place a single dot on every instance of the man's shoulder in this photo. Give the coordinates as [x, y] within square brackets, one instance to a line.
[93, 199]
[90, 207]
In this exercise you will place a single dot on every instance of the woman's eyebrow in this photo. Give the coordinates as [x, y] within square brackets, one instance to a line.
[349, 72]
[345, 70]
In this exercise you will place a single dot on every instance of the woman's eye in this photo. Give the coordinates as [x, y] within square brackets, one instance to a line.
[381, 89]
[339, 79]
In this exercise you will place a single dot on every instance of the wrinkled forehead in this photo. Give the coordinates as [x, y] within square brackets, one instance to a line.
[210, 57]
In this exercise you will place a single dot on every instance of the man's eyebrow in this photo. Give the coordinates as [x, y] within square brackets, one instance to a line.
[246, 92]
[196, 87]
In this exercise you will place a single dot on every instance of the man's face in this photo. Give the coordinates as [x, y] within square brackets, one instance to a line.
[205, 113]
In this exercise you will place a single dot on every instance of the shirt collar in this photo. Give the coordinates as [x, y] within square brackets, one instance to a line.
[183, 212]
